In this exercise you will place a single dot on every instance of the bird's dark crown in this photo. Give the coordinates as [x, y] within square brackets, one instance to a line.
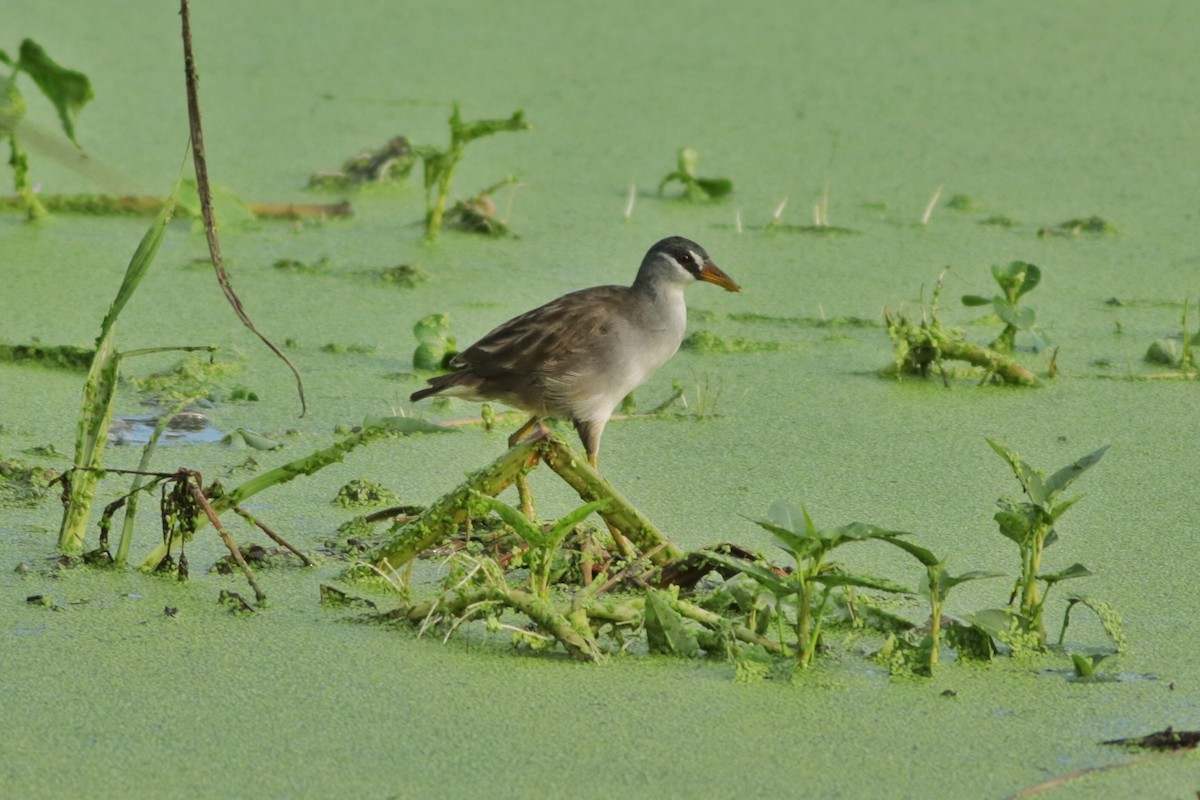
[685, 252]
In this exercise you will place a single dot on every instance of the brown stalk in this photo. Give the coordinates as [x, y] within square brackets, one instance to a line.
[205, 192]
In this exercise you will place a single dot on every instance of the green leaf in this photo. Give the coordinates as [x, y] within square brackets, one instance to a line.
[831, 579]
[67, 89]
[975, 300]
[1013, 525]
[789, 517]
[715, 187]
[925, 556]
[1031, 481]
[513, 518]
[665, 631]
[1033, 276]
[992, 621]
[4, 59]
[1074, 571]
[463, 132]
[1065, 476]
[948, 582]
[856, 532]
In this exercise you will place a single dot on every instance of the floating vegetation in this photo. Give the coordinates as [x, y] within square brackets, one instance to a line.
[391, 163]
[297, 267]
[695, 188]
[1167, 739]
[362, 492]
[1015, 281]
[402, 275]
[924, 344]
[441, 163]
[962, 202]
[197, 376]
[60, 356]
[708, 342]
[1079, 225]
[478, 214]
[1177, 351]
[341, 349]
[435, 344]
[1000, 221]
[23, 483]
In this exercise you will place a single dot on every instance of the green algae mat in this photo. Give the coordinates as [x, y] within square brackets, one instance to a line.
[899, 189]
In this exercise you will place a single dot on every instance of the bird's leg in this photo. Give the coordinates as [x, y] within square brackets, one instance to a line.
[522, 483]
[590, 432]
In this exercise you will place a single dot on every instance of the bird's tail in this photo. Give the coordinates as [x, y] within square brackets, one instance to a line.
[439, 384]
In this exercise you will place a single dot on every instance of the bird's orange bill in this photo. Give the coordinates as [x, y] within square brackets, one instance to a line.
[713, 274]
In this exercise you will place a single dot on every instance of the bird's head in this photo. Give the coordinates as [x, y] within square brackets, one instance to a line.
[682, 260]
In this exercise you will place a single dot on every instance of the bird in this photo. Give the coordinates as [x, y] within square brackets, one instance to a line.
[576, 357]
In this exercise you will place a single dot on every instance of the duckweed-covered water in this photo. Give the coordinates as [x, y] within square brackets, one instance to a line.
[1032, 113]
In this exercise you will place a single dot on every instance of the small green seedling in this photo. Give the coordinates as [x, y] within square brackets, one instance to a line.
[440, 163]
[936, 586]
[1015, 280]
[543, 543]
[695, 188]
[67, 89]
[1180, 355]
[813, 579]
[1030, 524]
[435, 344]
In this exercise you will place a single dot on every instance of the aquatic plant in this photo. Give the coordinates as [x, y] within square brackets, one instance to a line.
[936, 585]
[1031, 525]
[1180, 355]
[435, 344]
[695, 188]
[441, 163]
[810, 583]
[543, 542]
[67, 89]
[1015, 281]
[924, 343]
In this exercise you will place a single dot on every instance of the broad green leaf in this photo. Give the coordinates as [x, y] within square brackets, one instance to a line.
[513, 518]
[975, 300]
[924, 555]
[831, 579]
[992, 621]
[1031, 481]
[856, 532]
[949, 582]
[1065, 476]
[715, 187]
[665, 630]
[1058, 509]
[4, 59]
[788, 516]
[1074, 571]
[1033, 276]
[1013, 525]
[67, 89]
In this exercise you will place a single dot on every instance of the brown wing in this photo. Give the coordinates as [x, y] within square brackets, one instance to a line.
[557, 336]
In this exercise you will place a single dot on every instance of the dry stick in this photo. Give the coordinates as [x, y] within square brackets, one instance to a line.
[205, 192]
[193, 481]
[246, 515]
